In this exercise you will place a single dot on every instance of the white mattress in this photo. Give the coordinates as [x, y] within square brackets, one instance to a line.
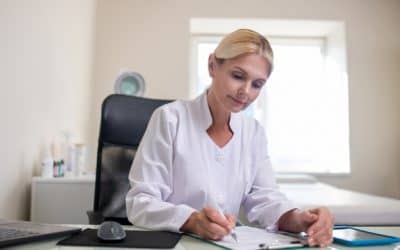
[348, 207]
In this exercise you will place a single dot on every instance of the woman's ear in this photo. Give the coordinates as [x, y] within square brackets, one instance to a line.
[211, 65]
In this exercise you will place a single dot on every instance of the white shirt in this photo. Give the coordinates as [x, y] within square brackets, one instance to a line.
[178, 167]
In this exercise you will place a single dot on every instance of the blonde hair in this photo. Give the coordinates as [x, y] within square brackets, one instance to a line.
[244, 41]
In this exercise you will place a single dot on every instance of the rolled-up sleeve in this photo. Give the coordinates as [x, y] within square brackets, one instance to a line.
[151, 178]
[264, 203]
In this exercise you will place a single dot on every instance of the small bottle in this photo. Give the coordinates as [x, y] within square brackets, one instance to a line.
[69, 158]
[58, 160]
[47, 163]
[61, 168]
[69, 161]
[80, 159]
[55, 168]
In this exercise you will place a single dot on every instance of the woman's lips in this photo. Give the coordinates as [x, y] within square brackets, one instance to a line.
[238, 101]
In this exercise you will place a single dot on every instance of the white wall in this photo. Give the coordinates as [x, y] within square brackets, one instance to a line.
[45, 82]
[152, 37]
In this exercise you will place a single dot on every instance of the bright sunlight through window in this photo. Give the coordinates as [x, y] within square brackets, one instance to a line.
[304, 111]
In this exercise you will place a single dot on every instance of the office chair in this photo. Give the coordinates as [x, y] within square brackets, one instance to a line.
[123, 122]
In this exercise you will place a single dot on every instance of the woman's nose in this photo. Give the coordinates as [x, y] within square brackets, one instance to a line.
[245, 88]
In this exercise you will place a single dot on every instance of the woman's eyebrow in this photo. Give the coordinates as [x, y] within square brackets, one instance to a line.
[245, 72]
[240, 69]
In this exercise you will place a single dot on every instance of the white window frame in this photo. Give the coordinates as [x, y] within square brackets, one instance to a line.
[329, 34]
[194, 44]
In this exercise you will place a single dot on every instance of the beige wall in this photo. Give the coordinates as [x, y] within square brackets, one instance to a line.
[45, 81]
[152, 37]
[50, 81]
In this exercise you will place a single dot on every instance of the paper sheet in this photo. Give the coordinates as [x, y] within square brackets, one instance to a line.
[251, 238]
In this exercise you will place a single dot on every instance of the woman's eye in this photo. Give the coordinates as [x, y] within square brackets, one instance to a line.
[257, 85]
[237, 76]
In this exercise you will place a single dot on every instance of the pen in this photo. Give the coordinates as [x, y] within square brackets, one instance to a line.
[301, 235]
[214, 205]
[291, 244]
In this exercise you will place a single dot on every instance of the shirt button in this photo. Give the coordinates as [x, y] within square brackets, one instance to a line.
[219, 157]
[220, 199]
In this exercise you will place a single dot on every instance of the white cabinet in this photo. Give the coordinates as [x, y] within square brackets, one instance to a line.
[62, 200]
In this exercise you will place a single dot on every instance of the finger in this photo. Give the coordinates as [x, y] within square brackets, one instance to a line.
[320, 211]
[317, 241]
[322, 237]
[306, 219]
[315, 210]
[215, 231]
[232, 220]
[309, 217]
[326, 243]
[320, 232]
[330, 241]
[216, 217]
[221, 231]
[325, 232]
[311, 242]
[209, 230]
[325, 221]
[322, 242]
[318, 228]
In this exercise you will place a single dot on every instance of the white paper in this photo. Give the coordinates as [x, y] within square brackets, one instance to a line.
[251, 238]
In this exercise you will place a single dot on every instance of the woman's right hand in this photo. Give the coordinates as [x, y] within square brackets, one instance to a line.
[209, 224]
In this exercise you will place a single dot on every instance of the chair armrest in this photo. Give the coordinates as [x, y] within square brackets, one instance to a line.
[95, 217]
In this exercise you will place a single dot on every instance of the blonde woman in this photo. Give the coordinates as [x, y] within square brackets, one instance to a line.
[195, 152]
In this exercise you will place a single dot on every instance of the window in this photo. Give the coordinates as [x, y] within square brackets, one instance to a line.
[303, 106]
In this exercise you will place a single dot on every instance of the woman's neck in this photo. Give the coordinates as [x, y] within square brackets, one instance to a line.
[220, 117]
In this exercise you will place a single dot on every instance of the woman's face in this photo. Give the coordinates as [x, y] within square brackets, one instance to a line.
[237, 82]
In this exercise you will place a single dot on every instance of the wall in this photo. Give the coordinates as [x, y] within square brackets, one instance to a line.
[45, 80]
[152, 37]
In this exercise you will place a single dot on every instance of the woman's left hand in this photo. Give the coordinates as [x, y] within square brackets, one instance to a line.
[320, 230]
[317, 222]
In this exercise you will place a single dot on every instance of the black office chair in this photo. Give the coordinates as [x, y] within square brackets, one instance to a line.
[123, 122]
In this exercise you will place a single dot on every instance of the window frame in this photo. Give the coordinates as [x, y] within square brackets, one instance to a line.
[321, 41]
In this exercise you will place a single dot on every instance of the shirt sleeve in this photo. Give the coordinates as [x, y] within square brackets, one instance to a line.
[150, 178]
[264, 203]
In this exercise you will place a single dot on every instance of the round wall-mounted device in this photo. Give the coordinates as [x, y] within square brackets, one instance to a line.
[130, 83]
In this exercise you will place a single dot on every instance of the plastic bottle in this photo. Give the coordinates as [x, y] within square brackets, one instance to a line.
[68, 149]
[55, 168]
[58, 159]
[47, 163]
[79, 159]
[61, 168]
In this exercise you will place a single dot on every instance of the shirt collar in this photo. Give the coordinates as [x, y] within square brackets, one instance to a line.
[205, 118]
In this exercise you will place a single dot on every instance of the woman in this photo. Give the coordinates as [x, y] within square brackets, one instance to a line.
[202, 156]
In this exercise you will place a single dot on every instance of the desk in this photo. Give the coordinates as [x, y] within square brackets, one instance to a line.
[189, 243]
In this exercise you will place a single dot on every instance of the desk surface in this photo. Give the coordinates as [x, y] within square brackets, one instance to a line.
[189, 243]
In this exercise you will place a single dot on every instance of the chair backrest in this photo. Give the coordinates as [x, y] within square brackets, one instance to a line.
[123, 122]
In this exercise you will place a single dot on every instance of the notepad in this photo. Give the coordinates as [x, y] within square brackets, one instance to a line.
[251, 238]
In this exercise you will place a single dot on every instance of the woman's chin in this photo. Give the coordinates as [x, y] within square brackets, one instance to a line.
[237, 109]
